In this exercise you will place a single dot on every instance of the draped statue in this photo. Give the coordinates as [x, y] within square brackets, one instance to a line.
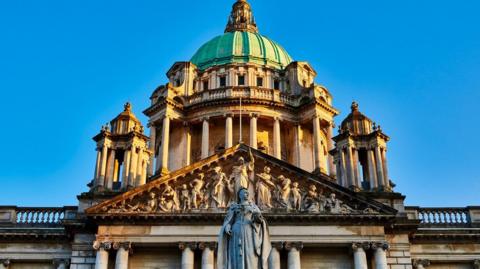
[244, 241]
[241, 176]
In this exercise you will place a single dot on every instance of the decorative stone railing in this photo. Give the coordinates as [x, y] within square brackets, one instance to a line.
[244, 92]
[36, 216]
[445, 216]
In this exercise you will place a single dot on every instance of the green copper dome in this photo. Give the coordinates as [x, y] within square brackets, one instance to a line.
[241, 47]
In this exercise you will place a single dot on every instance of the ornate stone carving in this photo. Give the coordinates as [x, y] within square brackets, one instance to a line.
[291, 245]
[241, 176]
[125, 245]
[190, 245]
[363, 245]
[58, 262]
[476, 264]
[283, 192]
[421, 263]
[185, 198]
[197, 191]
[311, 202]
[377, 245]
[264, 189]
[210, 245]
[296, 196]
[97, 245]
[5, 263]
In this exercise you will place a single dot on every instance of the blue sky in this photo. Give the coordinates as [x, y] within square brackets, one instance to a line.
[67, 67]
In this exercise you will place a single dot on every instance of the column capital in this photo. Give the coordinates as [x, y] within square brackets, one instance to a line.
[125, 245]
[5, 262]
[379, 245]
[360, 245]
[58, 262]
[229, 115]
[476, 264]
[277, 119]
[420, 263]
[203, 119]
[205, 245]
[291, 245]
[185, 245]
[277, 245]
[97, 245]
[254, 115]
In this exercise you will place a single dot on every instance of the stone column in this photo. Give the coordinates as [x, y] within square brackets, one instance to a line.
[101, 261]
[296, 133]
[97, 165]
[123, 250]
[133, 167]
[293, 260]
[4, 264]
[110, 169]
[187, 136]
[253, 131]
[139, 170]
[379, 165]
[371, 169]
[126, 168]
[343, 170]
[60, 264]
[359, 256]
[187, 255]
[228, 131]
[103, 167]
[274, 258]
[205, 138]
[380, 255]
[162, 159]
[277, 146]
[153, 134]
[349, 167]
[420, 264]
[208, 259]
[331, 166]
[386, 179]
[356, 171]
[317, 143]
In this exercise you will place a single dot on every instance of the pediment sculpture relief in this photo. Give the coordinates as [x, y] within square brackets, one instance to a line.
[216, 189]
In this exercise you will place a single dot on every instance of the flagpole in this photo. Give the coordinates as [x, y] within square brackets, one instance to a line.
[240, 136]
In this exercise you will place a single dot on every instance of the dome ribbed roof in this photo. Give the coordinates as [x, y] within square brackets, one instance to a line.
[241, 47]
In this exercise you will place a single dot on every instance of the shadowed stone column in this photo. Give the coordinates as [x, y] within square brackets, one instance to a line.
[103, 166]
[380, 255]
[371, 169]
[274, 259]
[228, 131]
[208, 258]
[386, 179]
[4, 264]
[379, 165]
[205, 138]
[123, 250]
[187, 137]
[101, 261]
[162, 159]
[421, 264]
[97, 165]
[359, 256]
[110, 169]
[126, 168]
[296, 133]
[317, 143]
[187, 255]
[60, 263]
[332, 169]
[151, 165]
[294, 249]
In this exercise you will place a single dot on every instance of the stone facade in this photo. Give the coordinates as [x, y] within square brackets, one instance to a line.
[241, 105]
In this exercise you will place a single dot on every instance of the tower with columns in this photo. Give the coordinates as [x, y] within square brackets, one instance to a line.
[360, 154]
[122, 154]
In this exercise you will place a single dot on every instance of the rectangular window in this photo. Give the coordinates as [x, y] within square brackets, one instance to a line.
[276, 84]
[223, 81]
[205, 85]
[259, 82]
[241, 80]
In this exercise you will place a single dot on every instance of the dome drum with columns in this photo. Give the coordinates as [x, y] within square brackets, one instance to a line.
[241, 114]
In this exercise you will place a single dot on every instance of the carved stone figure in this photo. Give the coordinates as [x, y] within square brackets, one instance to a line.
[152, 203]
[244, 241]
[284, 190]
[264, 188]
[218, 189]
[310, 202]
[296, 196]
[169, 199]
[184, 198]
[240, 176]
[197, 191]
[335, 206]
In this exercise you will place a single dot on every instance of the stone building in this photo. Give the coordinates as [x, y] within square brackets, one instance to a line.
[240, 105]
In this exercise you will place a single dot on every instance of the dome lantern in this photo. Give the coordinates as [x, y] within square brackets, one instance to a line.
[241, 18]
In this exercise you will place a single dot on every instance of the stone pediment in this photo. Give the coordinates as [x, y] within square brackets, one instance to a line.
[210, 185]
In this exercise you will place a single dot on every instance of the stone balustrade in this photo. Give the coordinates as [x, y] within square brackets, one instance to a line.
[244, 92]
[36, 216]
[464, 217]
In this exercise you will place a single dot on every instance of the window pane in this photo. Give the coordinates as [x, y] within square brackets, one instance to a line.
[241, 80]
[260, 82]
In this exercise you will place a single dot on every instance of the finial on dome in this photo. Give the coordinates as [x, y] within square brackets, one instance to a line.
[354, 106]
[241, 18]
[127, 107]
